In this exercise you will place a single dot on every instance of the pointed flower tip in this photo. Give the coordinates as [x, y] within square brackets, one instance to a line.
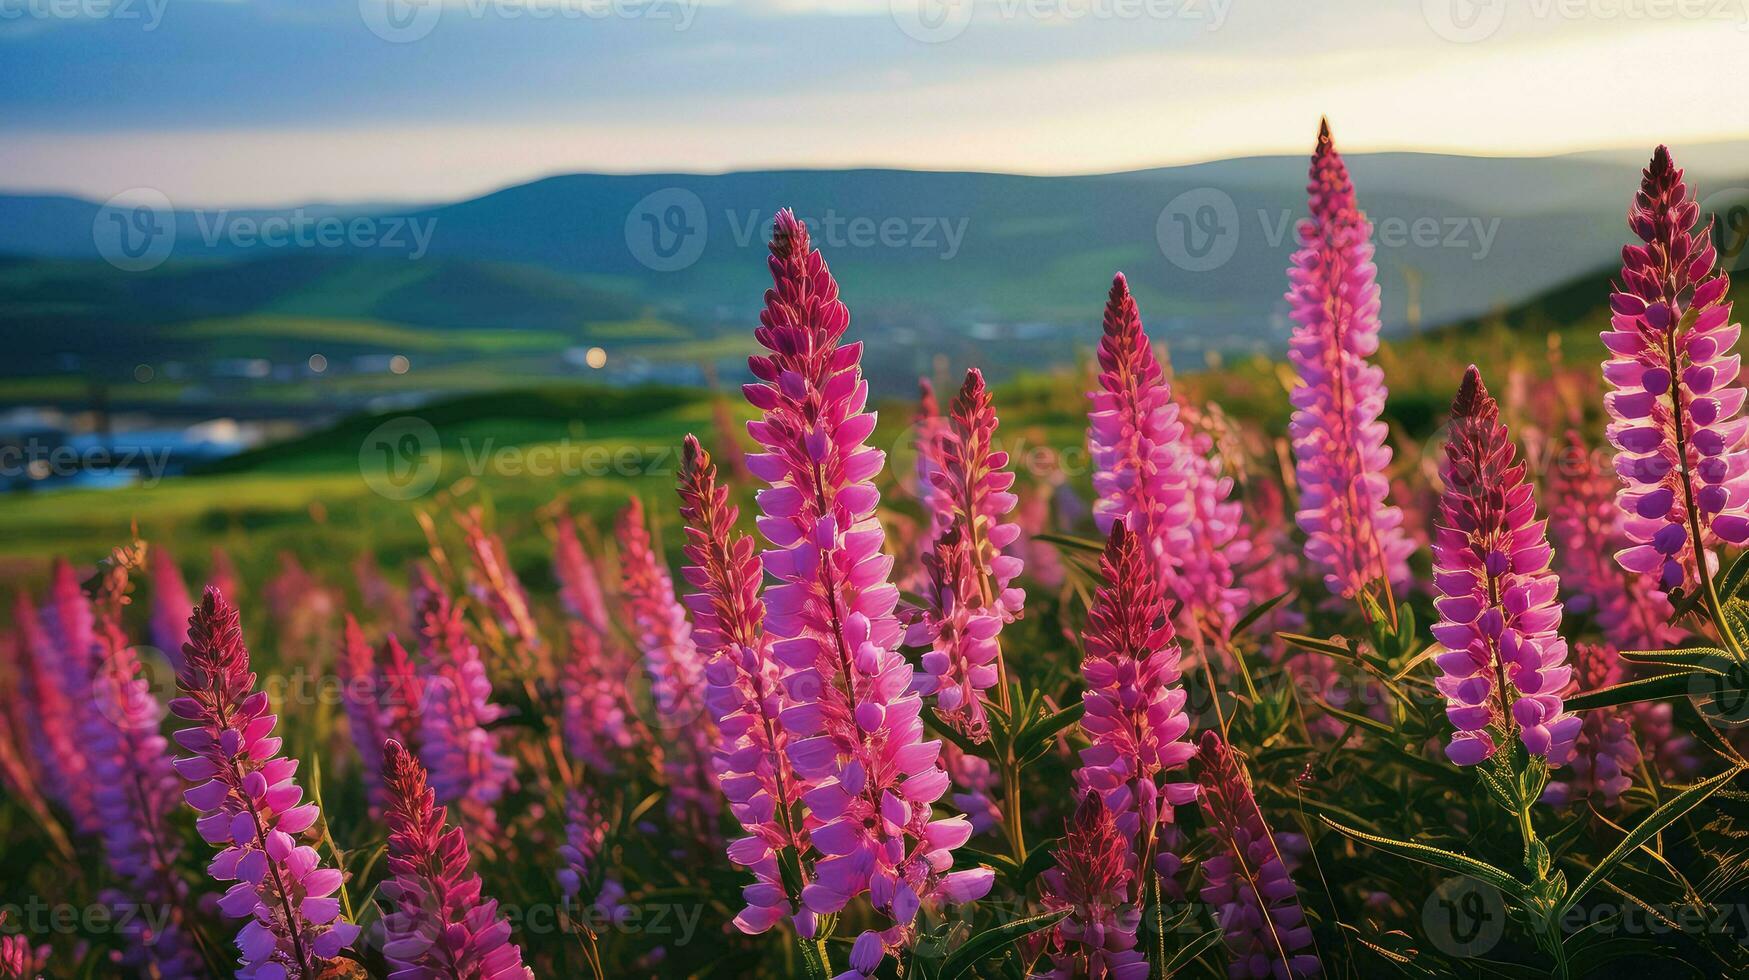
[789, 235]
[1472, 397]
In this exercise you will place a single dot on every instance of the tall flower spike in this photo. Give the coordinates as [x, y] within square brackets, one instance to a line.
[135, 791]
[1248, 880]
[1339, 446]
[1504, 663]
[441, 927]
[582, 854]
[250, 807]
[170, 604]
[579, 583]
[745, 695]
[361, 698]
[1673, 410]
[57, 710]
[931, 430]
[1211, 601]
[856, 729]
[1133, 435]
[455, 743]
[1093, 878]
[969, 590]
[1585, 526]
[1135, 718]
[597, 721]
[677, 675]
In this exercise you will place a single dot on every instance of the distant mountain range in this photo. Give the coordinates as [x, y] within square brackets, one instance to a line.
[664, 270]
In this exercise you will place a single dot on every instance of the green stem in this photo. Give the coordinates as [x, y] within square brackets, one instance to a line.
[815, 959]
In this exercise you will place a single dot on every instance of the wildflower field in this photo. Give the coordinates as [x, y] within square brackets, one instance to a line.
[1265, 671]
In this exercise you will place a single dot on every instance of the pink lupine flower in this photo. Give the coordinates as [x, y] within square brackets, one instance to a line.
[1586, 528]
[1206, 586]
[1042, 559]
[135, 792]
[1499, 615]
[1248, 879]
[56, 711]
[170, 604]
[969, 589]
[1275, 563]
[19, 960]
[401, 692]
[745, 696]
[856, 730]
[579, 583]
[1339, 444]
[441, 927]
[455, 742]
[597, 722]
[1093, 877]
[357, 669]
[976, 786]
[677, 675]
[931, 427]
[497, 584]
[1606, 753]
[1673, 411]
[1134, 436]
[1135, 718]
[250, 807]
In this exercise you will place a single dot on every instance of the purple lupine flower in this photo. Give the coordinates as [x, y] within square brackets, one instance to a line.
[1606, 753]
[677, 675]
[1499, 614]
[401, 692]
[250, 807]
[362, 699]
[1585, 527]
[1673, 411]
[170, 604]
[1042, 559]
[931, 429]
[1133, 436]
[135, 791]
[1339, 447]
[976, 786]
[579, 582]
[596, 719]
[456, 745]
[856, 729]
[1135, 718]
[56, 711]
[969, 589]
[441, 927]
[1210, 599]
[585, 838]
[745, 695]
[1248, 880]
[1093, 877]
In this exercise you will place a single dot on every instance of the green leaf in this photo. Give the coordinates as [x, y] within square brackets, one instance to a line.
[989, 942]
[1191, 950]
[971, 857]
[1710, 659]
[1038, 860]
[1037, 734]
[948, 732]
[1261, 610]
[1736, 577]
[1358, 721]
[1072, 542]
[1631, 692]
[1439, 858]
[1332, 648]
[1655, 821]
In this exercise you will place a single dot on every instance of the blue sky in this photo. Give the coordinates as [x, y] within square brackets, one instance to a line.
[226, 102]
